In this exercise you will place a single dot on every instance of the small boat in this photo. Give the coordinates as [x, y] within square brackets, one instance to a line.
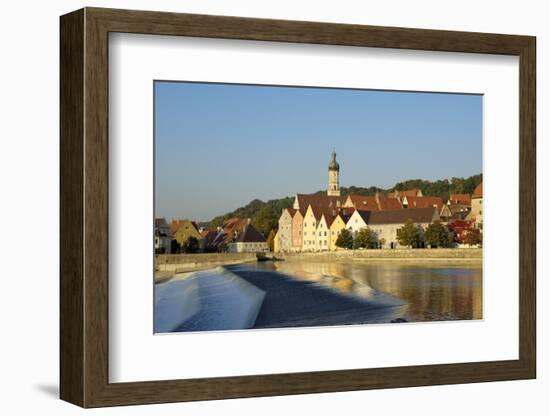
[260, 256]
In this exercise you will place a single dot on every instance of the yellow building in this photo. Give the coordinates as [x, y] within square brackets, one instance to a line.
[183, 229]
[277, 243]
[338, 224]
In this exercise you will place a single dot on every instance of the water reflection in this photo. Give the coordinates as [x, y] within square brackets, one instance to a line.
[432, 292]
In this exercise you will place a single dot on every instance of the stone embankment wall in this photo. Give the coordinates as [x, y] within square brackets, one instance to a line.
[180, 263]
[402, 253]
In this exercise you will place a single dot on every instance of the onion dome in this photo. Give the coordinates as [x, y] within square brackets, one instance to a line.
[333, 165]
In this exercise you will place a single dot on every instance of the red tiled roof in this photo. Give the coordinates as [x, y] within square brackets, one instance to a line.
[364, 203]
[174, 225]
[317, 212]
[375, 203]
[461, 199]
[319, 200]
[478, 192]
[389, 203]
[399, 216]
[424, 202]
[234, 226]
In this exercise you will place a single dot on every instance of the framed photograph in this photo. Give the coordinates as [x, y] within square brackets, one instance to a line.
[254, 207]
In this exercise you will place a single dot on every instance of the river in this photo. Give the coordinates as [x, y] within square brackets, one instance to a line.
[433, 292]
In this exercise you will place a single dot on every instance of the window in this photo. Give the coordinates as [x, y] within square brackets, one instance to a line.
[325, 233]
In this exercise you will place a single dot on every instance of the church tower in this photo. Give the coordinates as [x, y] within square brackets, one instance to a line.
[333, 177]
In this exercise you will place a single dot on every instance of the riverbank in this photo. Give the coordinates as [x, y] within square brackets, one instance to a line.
[420, 256]
[180, 266]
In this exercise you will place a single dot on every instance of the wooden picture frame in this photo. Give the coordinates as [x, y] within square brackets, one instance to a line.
[84, 207]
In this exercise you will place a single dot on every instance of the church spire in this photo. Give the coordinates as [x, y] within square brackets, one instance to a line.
[333, 176]
[333, 165]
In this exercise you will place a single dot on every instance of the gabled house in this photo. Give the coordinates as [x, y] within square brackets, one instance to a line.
[311, 220]
[182, 230]
[323, 232]
[358, 220]
[298, 229]
[249, 240]
[232, 227]
[338, 224]
[285, 229]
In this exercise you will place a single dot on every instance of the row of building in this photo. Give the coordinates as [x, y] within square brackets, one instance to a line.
[235, 235]
[316, 220]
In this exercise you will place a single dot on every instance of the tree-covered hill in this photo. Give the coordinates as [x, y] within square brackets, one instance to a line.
[265, 215]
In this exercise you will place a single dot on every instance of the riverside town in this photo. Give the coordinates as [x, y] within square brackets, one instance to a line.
[334, 221]
[330, 258]
[296, 206]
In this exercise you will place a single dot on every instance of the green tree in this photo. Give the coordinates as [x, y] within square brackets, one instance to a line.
[345, 239]
[408, 235]
[266, 219]
[437, 235]
[366, 238]
[191, 245]
[473, 237]
[271, 240]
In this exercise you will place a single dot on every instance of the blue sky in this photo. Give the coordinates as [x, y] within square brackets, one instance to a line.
[218, 146]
